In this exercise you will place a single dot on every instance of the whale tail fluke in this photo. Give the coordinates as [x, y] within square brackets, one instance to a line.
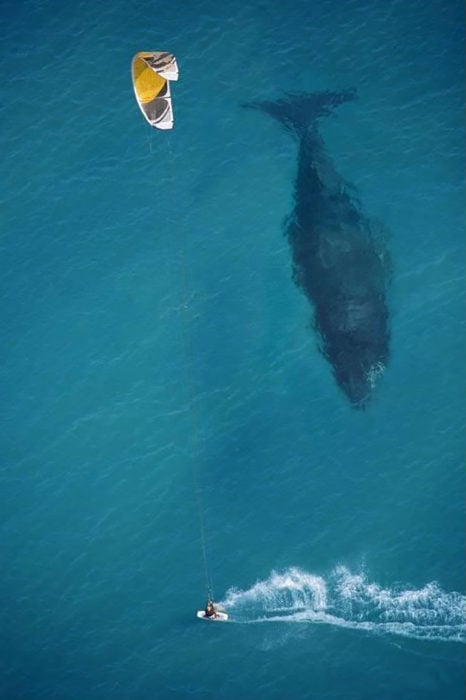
[298, 111]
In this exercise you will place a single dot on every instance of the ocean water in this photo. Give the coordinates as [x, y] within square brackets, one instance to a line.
[160, 370]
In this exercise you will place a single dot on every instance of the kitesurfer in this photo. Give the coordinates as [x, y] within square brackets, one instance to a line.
[210, 609]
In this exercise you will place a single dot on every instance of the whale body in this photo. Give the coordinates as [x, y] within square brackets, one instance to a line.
[338, 261]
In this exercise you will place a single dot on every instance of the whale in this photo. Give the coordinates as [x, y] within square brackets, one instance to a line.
[339, 257]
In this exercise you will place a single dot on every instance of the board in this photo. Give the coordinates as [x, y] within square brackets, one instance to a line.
[218, 617]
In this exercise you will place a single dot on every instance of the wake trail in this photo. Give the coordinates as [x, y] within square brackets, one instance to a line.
[350, 600]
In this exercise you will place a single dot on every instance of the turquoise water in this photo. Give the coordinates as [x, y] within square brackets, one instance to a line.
[154, 342]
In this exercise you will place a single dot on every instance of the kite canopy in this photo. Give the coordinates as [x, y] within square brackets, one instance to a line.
[152, 72]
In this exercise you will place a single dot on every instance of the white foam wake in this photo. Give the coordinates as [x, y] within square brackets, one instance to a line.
[351, 600]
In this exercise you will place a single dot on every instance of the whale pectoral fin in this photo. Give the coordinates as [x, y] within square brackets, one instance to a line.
[287, 223]
[297, 276]
[380, 236]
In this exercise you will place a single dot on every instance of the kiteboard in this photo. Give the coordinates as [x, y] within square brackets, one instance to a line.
[218, 617]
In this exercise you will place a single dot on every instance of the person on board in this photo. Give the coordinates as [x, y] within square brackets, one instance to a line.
[210, 609]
